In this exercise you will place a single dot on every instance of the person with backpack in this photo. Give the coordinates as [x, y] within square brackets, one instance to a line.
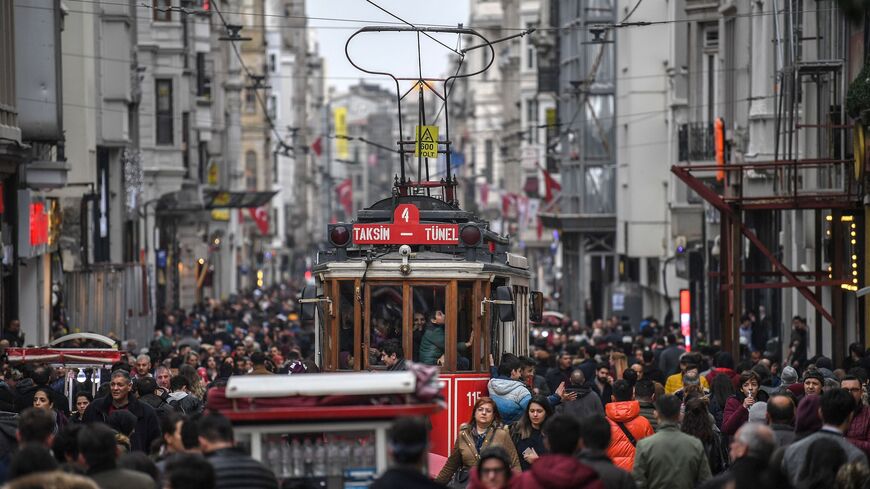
[181, 399]
[627, 426]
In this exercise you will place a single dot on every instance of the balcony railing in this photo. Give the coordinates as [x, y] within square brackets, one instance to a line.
[696, 142]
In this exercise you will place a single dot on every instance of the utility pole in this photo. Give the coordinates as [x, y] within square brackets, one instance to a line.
[327, 173]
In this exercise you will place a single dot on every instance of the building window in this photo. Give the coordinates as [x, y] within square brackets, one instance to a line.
[532, 119]
[250, 101]
[488, 159]
[185, 143]
[710, 82]
[251, 170]
[203, 76]
[273, 66]
[531, 54]
[161, 10]
[163, 105]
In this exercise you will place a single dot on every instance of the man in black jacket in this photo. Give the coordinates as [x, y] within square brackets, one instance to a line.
[147, 424]
[232, 467]
[409, 448]
[594, 440]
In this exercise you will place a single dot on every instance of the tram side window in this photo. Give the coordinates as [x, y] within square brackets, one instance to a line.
[429, 324]
[385, 322]
[346, 350]
[465, 329]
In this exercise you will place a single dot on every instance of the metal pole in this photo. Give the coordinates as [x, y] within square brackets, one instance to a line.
[327, 175]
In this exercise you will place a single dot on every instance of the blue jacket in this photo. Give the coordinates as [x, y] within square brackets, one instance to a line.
[512, 398]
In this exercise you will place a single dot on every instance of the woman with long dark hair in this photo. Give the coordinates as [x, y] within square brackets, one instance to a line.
[720, 390]
[42, 400]
[698, 423]
[526, 433]
[483, 430]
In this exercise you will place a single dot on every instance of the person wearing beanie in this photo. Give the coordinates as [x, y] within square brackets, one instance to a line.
[758, 413]
[807, 420]
[789, 376]
[813, 382]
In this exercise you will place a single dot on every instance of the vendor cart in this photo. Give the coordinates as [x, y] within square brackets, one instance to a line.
[326, 430]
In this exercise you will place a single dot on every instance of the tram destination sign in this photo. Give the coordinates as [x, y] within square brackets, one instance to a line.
[406, 229]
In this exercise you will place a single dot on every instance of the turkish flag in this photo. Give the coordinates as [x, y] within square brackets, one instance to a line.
[344, 191]
[261, 218]
[550, 184]
[317, 146]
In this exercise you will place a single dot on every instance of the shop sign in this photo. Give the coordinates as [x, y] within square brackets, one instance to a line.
[34, 224]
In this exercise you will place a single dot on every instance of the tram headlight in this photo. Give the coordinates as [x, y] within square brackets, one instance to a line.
[339, 235]
[470, 235]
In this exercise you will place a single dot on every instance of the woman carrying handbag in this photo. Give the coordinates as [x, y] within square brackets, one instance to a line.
[483, 430]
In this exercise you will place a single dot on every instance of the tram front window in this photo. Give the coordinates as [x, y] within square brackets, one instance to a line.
[465, 328]
[385, 322]
[346, 349]
[429, 306]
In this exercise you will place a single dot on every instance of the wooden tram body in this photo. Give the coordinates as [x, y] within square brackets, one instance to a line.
[355, 284]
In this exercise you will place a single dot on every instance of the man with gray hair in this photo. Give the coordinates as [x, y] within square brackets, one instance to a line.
[147, 426]
[143, 366]
[751, 449]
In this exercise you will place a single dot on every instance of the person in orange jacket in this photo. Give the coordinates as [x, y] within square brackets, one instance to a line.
[627, 426]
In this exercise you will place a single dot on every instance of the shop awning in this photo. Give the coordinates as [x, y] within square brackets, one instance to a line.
[223, 199]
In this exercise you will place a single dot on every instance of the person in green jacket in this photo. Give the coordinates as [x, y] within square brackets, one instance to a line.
[670, 459]
[432, 343]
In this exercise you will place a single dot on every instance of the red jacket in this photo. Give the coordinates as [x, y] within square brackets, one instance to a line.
[621, 450]
[735, 416]
[859, 430]
[557, 472]
[734, 376]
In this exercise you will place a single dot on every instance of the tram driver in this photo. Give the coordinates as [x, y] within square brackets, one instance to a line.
[432, 344]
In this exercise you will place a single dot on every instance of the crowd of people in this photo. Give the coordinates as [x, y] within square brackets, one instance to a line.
[598, 406]
[602, 405]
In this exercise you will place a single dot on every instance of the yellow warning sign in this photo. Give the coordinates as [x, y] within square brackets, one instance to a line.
[427, 142]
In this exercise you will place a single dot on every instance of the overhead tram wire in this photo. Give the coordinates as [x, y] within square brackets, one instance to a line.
[618, 25]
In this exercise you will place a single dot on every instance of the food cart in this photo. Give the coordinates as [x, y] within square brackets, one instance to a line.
[328, 430]
[82, 364]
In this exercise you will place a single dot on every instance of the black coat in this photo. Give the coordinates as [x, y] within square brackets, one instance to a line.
[161, 407]
[147, 425]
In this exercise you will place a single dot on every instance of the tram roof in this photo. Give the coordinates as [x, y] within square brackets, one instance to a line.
[424, 264]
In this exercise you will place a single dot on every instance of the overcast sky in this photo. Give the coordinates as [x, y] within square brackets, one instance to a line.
[390, 52]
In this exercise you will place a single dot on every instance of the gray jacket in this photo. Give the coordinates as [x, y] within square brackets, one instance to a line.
[783, 433]
[670, 459]
[796, 454]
